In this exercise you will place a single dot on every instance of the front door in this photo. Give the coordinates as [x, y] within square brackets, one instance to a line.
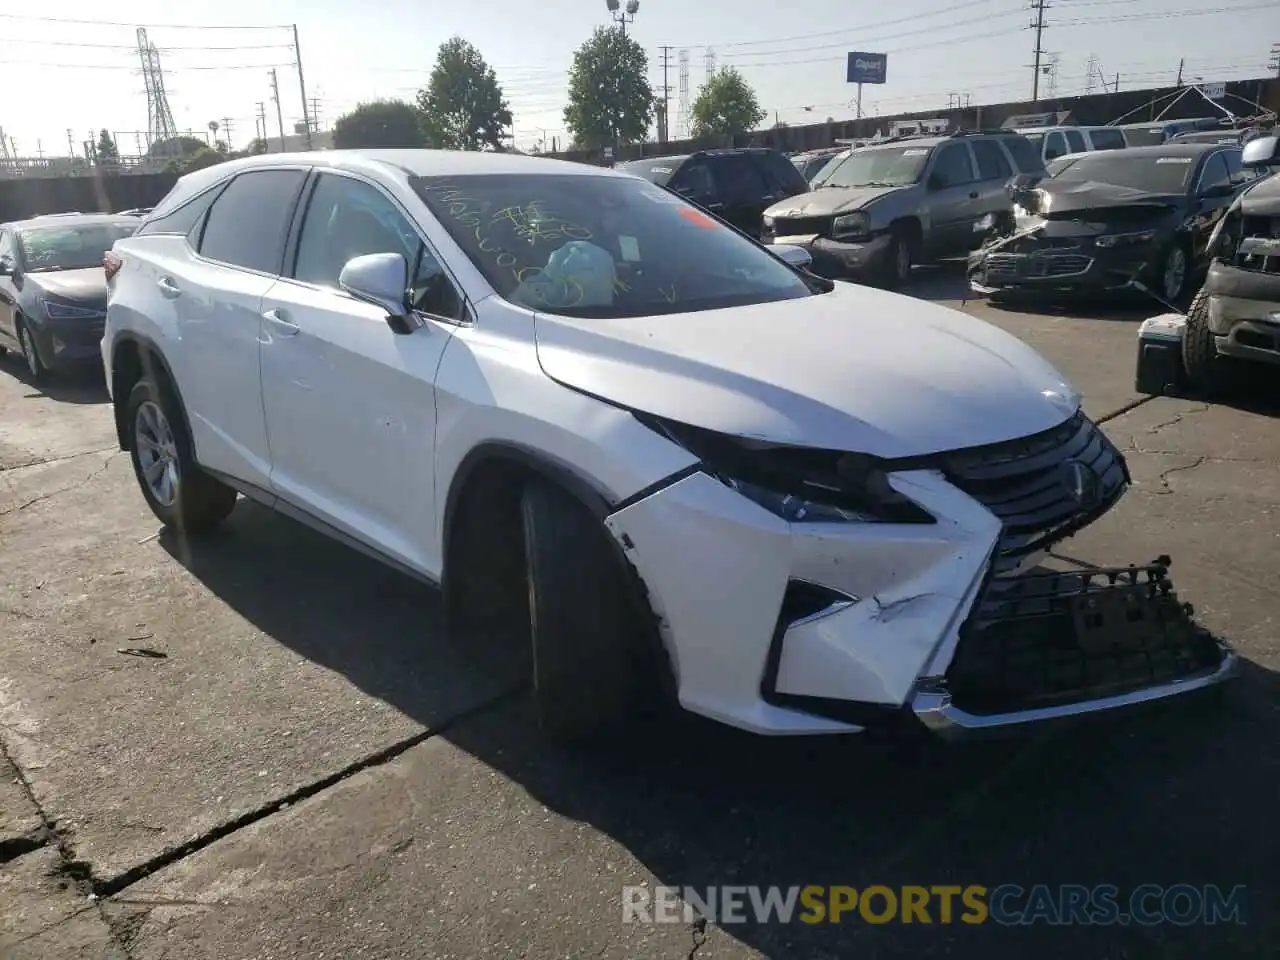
[350, 403]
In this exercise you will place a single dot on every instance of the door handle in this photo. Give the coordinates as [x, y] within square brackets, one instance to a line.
[168, 288]
[715, 206]
[973, 195]
[280, 320]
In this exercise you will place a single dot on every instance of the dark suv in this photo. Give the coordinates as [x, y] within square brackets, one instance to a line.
[737, 185]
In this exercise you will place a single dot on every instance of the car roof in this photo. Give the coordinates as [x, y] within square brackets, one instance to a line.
[71, 220]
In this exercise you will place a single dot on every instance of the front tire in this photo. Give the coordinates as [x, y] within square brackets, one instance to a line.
[181, 495]
[1200, 358]
[899, 259]
[36, 370]
[589, 668]
[1175, 274]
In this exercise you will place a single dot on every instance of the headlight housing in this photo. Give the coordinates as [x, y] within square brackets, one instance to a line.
[60, 310]
[1124, 239]
[851, 226]
[798, 484]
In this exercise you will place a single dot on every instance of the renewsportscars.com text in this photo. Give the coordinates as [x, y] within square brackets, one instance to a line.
[1008, 904]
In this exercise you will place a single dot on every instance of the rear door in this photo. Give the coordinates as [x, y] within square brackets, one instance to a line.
[217, 296]
[1214, 192]
[350, 403]
[994, 171]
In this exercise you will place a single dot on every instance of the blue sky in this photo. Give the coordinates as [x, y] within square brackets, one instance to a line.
[59, 74]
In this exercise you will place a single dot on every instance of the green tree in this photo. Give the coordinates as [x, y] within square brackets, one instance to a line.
[382, 123]
[462, 104]
[256, 146]
[197, 160]
[180, 146]
[725, 105]
[610, 101]
[107, 150]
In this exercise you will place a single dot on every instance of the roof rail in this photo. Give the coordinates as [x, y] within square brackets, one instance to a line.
[984, 132]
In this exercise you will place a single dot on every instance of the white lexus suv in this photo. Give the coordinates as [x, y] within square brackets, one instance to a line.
[679, 465]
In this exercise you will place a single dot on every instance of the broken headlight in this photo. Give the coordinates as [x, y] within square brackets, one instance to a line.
[798, 484]
[1124, 239]
[1226, 235]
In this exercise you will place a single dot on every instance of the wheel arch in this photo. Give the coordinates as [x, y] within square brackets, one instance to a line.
[132, 356]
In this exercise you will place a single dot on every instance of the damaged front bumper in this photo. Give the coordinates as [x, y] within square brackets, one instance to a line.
[839, 259]
[797, 628]
[1055, 646]
[1029, 261]
[1244, 306]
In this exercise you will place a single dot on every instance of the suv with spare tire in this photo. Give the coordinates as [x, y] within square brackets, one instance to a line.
[905, 201]
[1236, 314]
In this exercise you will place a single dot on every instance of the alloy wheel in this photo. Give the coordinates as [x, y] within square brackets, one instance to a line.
[157, 453]
[902, 260]
[29, 352]
[1175, 273]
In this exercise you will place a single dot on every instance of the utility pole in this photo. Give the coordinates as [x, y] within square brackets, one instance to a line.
[1038, 7]
[226, 132]
[1117, 87]
[664, 126]
[260, 122]
[1178, 82]
[275, 95]
[71, 144]
[302, 87]
[315, 113]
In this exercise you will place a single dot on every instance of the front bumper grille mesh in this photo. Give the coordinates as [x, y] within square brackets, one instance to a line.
[1044, 487]
[1058, 637]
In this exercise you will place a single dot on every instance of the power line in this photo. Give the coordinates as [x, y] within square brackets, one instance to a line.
[112, 66]
[25, 41]
[1163, 15]
[153, 26]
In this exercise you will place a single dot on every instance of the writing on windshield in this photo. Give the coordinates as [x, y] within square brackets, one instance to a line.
[1150, 173]
[69, 248]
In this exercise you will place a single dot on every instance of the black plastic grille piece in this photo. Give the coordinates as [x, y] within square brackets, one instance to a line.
[1051, 638]
[1044, 487]
[800, 226]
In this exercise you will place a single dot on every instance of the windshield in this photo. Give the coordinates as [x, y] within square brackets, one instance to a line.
[1144, 136]
[878, 167]
[70, 247]
[1147, 171]
[1055, 167]
[603, 246]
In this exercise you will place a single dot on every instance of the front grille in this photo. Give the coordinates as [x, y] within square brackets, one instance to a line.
[1044, 487]
[1052, 638]
[1019, 266]
[800, 226]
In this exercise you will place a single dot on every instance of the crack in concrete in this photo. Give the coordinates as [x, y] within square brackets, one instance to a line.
[41, 461]
[699, 931]
[1121, 411]
[102, 468]
[1164, 477]
[12, 848]
[1177, 418]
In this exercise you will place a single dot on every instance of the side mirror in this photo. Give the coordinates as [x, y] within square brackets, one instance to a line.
[798, 257]
[383, 280]
[1261, 152]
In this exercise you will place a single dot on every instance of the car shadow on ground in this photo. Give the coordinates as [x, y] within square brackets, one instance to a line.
[1183, 795]
[73, 386]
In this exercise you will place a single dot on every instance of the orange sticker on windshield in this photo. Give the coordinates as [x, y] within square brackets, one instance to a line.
[697, 218]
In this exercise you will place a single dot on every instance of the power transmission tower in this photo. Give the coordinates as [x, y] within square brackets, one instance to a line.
[160, 125]
[260, 122]
[315, 113]
[275, 95]
[709, 63]
[664, 118]
[1274, 62]
[1038, 7]
[682, 59]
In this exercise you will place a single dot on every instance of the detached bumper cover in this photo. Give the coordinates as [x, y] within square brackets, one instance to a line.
[1244, 306]
[838, 258]
[1054, 646]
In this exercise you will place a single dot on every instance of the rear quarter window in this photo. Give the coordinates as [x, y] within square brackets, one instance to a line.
[182, 219]
[1025, 156]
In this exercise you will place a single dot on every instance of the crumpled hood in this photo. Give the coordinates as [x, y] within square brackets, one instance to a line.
[1262, 198]
[856, 369]
[825, 201]
[1073, 197]
[88, 286]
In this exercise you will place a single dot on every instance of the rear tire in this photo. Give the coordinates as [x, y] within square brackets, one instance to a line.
[1205, 368]
[181, 495]
[589, 663]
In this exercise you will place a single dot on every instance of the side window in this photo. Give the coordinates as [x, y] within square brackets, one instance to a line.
[1025, 156]
[695, 181]
[1214, 174]
[784, 178]
[183, 219]
[991, 162]
[348, 218]
[247, 223]
[1075, 141]
[1055, 146]
[739, 180]
[952, 166]
[1107, 139]
[1235, 171]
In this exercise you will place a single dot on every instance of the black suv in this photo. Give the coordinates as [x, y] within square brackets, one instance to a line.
[737, 184]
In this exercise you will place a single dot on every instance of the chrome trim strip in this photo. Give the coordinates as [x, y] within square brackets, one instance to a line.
[935, 710]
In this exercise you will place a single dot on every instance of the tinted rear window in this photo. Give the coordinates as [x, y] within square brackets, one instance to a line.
[1107, 139]
[1025, 155]
[655, 171]
[247, 224]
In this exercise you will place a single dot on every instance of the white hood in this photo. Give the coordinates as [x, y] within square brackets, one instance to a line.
[857, 369]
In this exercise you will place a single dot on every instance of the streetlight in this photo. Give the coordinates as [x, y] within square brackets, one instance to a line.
[622, 15]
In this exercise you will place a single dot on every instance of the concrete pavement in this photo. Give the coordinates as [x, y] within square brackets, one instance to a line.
[266, 746]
